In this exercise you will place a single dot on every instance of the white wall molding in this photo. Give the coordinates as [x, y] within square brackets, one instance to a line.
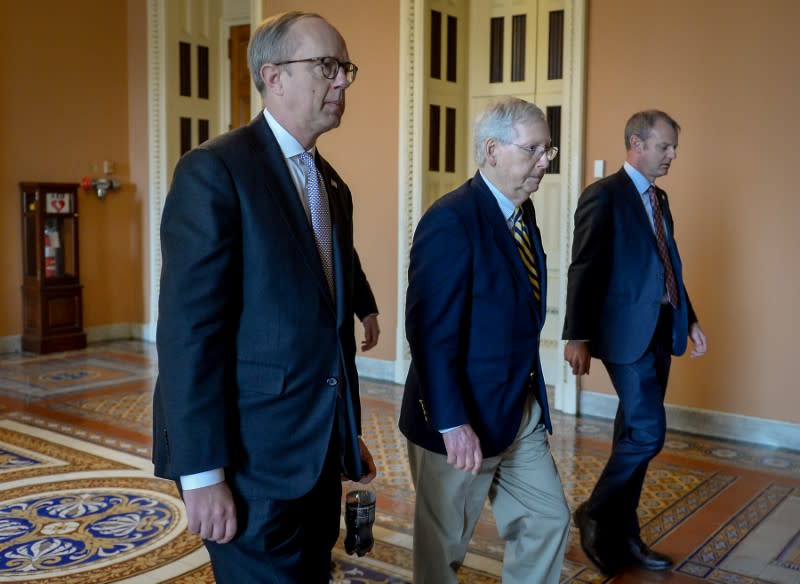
[11, 344]
[566, 384]
[157, 131]
[109, 332]
[379, 369]
[409, 188]
[709, 423]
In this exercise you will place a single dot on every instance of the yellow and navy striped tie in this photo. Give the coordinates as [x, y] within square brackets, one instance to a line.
[526, 252]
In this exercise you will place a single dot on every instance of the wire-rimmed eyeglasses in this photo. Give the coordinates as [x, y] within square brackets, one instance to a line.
[536, 152]
[330, 66]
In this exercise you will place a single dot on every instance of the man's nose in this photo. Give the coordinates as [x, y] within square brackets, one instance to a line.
[341, 81]
[542, 162]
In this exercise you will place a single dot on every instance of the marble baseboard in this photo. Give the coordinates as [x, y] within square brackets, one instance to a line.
[706, 422]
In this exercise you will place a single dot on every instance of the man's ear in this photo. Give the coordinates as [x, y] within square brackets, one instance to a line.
[489, 147]
[271, 76]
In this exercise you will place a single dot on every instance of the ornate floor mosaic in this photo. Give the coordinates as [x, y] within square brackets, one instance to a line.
[79, 504]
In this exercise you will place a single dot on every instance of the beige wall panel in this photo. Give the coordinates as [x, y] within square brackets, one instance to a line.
[364, 149]
[734, 89]
[64, 103]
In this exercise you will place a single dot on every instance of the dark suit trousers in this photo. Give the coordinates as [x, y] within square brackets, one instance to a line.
[284, 541]
[639, 431]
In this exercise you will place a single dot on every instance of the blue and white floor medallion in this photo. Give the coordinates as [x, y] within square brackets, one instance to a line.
[72, 530]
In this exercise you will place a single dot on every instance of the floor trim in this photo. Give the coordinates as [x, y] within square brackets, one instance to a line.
[710, 423]
[694, 420]
[380, 369]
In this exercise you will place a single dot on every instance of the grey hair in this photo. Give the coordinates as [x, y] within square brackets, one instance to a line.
[271, 42]
[498, 119]
[641, 124]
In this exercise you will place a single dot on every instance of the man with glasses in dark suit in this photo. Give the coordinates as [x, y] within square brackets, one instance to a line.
[256, 409]
[475, 408]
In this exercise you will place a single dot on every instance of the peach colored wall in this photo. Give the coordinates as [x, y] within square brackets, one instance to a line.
[727, 71]
[64, 104]
[364, 148]
[139, 148]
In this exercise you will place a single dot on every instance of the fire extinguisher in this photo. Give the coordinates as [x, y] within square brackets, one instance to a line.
[49, 257]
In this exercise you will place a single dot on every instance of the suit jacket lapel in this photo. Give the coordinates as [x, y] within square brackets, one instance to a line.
[633, 199]
[280, 188]
[529, 213]
[503, 238]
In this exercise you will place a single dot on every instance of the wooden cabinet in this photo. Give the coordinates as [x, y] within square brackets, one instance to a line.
[52, 309]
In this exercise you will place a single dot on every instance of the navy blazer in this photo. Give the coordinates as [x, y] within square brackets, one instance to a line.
[472, 323]
[616, 278]
[256, 360]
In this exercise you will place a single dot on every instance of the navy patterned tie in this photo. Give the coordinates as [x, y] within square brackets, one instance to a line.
[525, 250]
[663, 252]
[320, 216]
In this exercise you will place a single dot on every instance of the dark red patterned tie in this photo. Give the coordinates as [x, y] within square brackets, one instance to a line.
[663, 252]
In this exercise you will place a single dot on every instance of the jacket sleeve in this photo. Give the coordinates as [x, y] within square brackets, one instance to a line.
[588, 275]
[437, 311]
[199, 302]
[363, 299]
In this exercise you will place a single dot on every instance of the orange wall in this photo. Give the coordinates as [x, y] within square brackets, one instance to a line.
[64, 107]
[73, 95]
[727, 71]
[364, 148]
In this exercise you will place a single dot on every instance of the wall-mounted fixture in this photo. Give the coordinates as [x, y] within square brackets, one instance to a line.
[100, 185]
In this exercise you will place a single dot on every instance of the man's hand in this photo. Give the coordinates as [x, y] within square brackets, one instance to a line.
[463, 449]
[211, 512]
[366, 456]
[699, 340]
[576, 353]
[371, 332]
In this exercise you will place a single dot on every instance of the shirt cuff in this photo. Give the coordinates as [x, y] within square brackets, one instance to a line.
[446, 430]
[202, 479]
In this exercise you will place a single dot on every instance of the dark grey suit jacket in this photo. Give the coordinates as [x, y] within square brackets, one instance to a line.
[256, 361]
[616, 279]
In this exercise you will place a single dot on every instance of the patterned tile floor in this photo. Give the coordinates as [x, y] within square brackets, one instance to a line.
[78, 503]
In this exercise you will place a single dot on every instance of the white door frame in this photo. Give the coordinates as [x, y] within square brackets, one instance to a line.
[412, 67]
[157, 132]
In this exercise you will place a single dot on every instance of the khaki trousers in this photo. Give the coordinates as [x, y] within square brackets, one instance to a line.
[527, 499]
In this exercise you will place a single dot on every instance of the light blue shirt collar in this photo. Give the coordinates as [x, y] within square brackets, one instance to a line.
[289, 145]
[639, 180]
[506, 205]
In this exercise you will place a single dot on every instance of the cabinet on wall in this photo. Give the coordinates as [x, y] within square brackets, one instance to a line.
[52, 310]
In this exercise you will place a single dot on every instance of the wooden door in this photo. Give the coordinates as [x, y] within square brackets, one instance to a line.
[192, 67]
[240, 75]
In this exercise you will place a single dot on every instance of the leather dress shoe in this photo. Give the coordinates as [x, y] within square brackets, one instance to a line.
[590, 540]
[647, 558]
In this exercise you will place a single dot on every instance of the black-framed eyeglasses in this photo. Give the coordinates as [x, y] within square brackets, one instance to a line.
[330, 66]
[536, 152]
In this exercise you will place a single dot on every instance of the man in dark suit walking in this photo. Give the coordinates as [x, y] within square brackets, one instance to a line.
[475, 409]
[256, 408]
[627, 305]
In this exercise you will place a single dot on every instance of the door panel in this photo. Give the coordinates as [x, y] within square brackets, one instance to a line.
[240, 76]
[192, 74]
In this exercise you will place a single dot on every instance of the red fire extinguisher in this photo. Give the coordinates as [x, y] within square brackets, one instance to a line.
[49, 258]
[50, 252]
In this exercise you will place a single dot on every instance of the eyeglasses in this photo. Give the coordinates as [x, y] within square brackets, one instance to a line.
[536, 152]
[330, 67]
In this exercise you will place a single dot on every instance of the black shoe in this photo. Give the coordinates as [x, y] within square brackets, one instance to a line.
[590, 540]
[646, 558]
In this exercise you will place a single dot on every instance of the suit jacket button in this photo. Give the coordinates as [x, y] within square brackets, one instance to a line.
[332, 381]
